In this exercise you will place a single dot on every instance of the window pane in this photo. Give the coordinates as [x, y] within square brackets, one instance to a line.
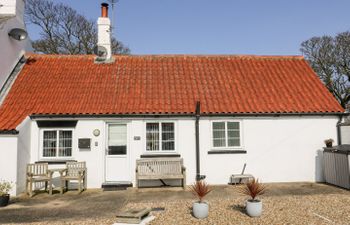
[234, 142]
[232, 134]
[49, 143]
[168, 136]
[233, 125]
[117, 139]
[65, 143]
[219, 139]
[218, 125]
[152, 136]
[219, 134]
[219, 142]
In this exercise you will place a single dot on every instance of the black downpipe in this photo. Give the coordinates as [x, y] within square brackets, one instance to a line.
[198, 172]
[339, 129]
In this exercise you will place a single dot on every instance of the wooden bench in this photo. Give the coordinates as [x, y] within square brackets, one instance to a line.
[160, 168]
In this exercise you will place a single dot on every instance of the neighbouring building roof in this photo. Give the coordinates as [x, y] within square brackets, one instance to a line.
[169, 84]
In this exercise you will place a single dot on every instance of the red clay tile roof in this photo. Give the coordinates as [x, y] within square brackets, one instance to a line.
[56, 84]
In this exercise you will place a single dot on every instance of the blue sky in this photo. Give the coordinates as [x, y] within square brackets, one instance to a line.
[262, 27]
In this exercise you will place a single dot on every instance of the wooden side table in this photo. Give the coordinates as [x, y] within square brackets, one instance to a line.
[54, 170]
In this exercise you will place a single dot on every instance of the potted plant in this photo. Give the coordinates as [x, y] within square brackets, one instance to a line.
[329, 142]
[201, 208]
[5, 188]
[253, 188]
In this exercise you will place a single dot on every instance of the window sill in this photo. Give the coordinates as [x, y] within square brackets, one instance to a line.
[160, 155]
[233, 151]
[55, 161]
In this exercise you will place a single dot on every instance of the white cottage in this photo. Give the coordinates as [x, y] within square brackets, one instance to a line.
[11, 48]
[215, 112]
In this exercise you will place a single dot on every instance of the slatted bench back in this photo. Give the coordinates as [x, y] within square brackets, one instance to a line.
[159, 166]
[37, 169]
[73, 168]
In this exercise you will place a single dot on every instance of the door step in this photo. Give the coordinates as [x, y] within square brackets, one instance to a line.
[116, 185]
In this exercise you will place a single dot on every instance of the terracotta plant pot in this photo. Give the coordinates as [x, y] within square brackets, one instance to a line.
[4, 200]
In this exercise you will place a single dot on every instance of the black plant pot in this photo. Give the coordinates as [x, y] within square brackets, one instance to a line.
[329, 145]
[4, 200]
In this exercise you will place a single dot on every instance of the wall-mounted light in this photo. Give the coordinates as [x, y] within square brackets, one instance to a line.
[96, 132]
[18, 34]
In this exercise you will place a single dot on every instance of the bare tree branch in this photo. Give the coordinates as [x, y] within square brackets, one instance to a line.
[63, 30]
[330, 58]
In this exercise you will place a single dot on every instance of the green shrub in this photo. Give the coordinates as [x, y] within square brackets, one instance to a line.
[5, 187]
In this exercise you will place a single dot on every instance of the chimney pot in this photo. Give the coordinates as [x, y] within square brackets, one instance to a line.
[104, 10]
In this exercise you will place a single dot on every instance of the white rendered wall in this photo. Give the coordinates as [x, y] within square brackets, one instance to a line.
[185, 147]
[279, 149]
[345, 134]
[8, 8]
[11, 50]
[94, 158]
[8, 160]
[23, 155]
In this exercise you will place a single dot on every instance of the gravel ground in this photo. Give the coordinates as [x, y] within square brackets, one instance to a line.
[317, 209]
[292, 203]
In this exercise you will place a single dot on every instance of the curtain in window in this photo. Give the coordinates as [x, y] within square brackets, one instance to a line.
[65, 141]
[233, 135]
[117, 139]
[152, 136]
[219, 138]
[50, 143]
[168, 136]
[61, 149]
[226, 134]
[157, 133]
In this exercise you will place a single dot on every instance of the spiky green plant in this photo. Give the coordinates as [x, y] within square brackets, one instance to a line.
[200, 189]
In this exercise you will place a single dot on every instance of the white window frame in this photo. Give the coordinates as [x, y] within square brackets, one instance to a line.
[42, 157]
[160, 137]
[241, 147]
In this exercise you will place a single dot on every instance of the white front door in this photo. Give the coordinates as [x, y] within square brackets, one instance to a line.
[117, 160]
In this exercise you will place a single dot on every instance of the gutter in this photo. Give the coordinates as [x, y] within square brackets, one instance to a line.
[257, 114]
[190, 114]
[11, 79]
[9, 132]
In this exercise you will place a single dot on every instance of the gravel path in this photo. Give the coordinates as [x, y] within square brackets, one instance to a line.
[285, 203]
[308, 210]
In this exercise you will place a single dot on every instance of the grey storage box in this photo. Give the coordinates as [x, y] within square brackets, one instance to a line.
[337, 165]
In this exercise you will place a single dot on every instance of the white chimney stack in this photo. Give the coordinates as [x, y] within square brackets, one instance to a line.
[104, 32]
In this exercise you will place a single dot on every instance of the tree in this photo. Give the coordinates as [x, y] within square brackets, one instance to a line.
[330, 58]
[63, 30]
